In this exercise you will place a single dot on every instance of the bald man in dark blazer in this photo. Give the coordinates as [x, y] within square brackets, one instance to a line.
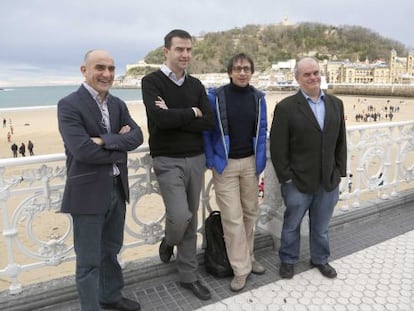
[97, 131]
[309, 153]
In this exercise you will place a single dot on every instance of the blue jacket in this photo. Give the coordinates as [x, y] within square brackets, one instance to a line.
[217, 142]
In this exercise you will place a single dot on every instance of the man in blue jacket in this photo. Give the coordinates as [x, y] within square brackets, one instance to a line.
[236, 151]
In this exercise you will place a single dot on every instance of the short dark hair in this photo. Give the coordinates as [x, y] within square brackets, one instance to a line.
[237, 57]
[175, 33]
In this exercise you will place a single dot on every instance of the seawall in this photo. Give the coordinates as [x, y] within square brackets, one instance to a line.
[399, 90]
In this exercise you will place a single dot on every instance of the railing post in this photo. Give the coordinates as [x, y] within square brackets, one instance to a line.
[12, 270]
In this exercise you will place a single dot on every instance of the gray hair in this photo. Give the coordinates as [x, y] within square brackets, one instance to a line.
[296, 69]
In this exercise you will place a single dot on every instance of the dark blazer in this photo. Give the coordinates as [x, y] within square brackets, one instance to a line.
[301, 151]
[89, 166]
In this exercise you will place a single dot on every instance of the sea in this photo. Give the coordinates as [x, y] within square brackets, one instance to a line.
[19, 98]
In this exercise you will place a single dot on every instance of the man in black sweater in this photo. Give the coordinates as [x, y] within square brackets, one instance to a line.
[178, 111]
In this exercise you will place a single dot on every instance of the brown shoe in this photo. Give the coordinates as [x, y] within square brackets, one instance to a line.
[238, 282]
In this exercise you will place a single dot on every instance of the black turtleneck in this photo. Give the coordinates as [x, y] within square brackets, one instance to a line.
[241, 115]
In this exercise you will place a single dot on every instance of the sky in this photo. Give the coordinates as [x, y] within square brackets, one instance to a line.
[43, 42]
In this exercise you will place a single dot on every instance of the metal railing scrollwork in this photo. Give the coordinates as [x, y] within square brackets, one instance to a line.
[35, 235]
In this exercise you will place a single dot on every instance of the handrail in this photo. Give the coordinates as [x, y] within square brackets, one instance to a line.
[381, 162]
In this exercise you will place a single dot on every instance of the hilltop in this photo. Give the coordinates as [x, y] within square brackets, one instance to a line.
[268, 44]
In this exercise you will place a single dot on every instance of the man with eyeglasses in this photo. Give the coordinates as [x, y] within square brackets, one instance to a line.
[97, 131]
[236, 152]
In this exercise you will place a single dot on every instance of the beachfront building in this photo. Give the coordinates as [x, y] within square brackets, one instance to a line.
[134, 81]
[331, 70]
[141, 64]
[284, 70]
[399, 70]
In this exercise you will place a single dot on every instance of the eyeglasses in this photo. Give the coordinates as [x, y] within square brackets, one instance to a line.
[239, 69]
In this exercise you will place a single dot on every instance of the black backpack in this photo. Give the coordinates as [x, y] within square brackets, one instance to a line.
[215, 256]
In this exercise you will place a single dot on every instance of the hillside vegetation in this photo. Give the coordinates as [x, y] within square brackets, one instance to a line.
[268, 44]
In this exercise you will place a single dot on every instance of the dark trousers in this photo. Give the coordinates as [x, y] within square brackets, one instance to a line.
[98, 239]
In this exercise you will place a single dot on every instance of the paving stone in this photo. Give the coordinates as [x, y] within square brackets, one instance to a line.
[374, 259]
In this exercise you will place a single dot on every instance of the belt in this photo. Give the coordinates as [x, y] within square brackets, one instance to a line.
[117, 180]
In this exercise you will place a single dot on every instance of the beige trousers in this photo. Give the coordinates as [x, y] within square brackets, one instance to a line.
[237, 197]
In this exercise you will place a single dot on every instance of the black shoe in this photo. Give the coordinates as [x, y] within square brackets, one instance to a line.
[326, 269]
[198, 289]
[286, 270]
[124, 304]
[165, 251]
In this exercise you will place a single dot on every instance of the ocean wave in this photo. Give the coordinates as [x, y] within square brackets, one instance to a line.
[26, 108]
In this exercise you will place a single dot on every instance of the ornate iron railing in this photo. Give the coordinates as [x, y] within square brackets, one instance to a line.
[34, 235]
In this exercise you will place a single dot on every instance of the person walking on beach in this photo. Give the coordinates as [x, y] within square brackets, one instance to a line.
[236, 151]
[22, 150]
[97, 132]
[8, 137]
[14, 148]
[178, 111]
[30, 147]
[309, 153]
[4, 122]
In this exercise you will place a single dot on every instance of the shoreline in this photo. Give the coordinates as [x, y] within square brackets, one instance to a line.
[13, 109]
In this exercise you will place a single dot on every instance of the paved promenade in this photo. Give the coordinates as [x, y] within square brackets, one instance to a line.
[380, 277]
[374, 257]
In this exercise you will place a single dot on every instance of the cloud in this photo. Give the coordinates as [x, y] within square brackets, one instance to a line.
[53, 36]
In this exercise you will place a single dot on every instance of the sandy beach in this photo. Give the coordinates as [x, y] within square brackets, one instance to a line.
[40, 126]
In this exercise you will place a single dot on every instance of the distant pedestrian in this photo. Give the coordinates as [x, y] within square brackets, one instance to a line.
[4, 122]
[8, 136]
[30, 147]
[11, 129]
[261, 188]
[22, 150]
[14, 149]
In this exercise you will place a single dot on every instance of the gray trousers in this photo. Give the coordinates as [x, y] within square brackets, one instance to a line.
[180, 182]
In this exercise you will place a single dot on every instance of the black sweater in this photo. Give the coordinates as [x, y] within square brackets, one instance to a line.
[241, 114]
[175, 132]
